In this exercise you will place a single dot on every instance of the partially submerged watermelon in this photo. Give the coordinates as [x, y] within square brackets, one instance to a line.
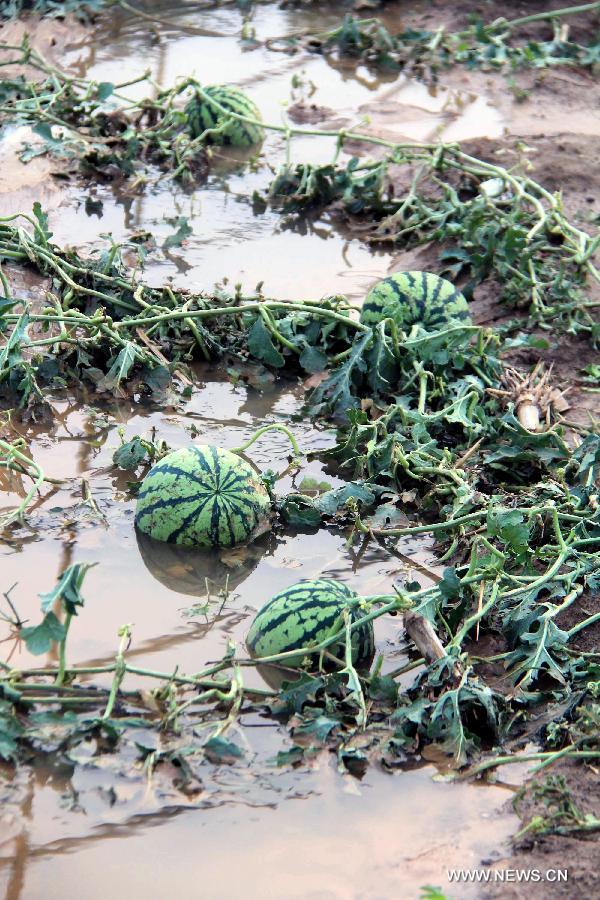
[202, 496]
[213, 111]
[411, 298]
[306, 614]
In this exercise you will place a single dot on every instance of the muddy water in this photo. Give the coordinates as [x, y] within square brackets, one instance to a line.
[252, 830]
[229, 239]
[312, 833]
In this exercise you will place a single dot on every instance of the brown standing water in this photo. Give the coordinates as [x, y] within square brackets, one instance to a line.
[100, 828]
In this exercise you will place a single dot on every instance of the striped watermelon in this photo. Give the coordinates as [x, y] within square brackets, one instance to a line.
[202, 496]
[306, 614]
[411, 298]
[202, 113]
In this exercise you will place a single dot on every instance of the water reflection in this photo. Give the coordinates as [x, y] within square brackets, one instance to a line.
[199, 572]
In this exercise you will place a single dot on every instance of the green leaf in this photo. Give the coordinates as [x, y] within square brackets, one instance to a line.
[40, 638]
[121, 367]
[67, 590]
[449, 586]
[382, 368]
[183, 231]
[104, 90]
[587, 456]
[300, 510]
[311, 484]
[262, 347]
[336, 393]
[313, 360]
[10, 354]
[510, 526]
[131, 454]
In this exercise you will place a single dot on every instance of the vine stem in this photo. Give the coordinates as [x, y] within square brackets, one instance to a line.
[11, 452]
[541, 16]
[62, 651]
[273, 427]
[120, 670]
[547, 758]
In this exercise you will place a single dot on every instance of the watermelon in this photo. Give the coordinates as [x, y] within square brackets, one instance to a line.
[203, 114]
[202, 496]
[411, 298]
[306, 614]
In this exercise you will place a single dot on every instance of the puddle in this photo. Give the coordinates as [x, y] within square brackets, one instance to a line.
[166, 627]
[382, 838]
[389, 831]
[229, 239]
[311, 833]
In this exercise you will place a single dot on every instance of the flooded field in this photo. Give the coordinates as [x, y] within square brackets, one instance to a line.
[104, 825]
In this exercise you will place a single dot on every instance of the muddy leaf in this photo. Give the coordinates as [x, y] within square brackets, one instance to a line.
[294, 695]
[300, 510]
[131, 454]
[219, 750]
[331, 501]
[10, 730]
[291, 757]
[313, 732]
[387, 516]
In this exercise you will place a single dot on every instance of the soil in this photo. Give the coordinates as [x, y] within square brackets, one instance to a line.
[578, 853]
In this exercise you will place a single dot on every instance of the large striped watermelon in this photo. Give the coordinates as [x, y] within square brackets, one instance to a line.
[210, 110]
[411, 298]
[202, 496]
[306, 614]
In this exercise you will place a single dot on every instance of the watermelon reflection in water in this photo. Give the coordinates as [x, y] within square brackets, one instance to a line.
[197, 572]
[203, 496]
[305, 615]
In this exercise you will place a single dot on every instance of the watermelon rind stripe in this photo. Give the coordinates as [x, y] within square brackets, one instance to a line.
[411, 298]
[203, 114]
[306, 614]
[202, 496]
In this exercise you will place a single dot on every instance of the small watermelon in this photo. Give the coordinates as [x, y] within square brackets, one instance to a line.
[202, 496]
[203, 114]
[411, 298]
[306, 614]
